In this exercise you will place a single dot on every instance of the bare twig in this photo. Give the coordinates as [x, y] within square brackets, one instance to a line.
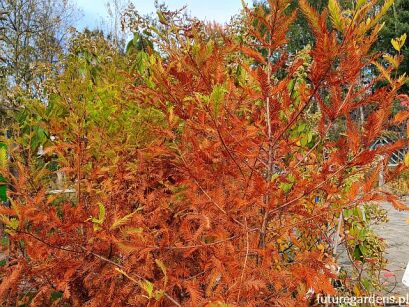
[245, 262]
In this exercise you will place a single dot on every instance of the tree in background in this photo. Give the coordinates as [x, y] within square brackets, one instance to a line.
[300, 34]
[32, 36]
[396, 25]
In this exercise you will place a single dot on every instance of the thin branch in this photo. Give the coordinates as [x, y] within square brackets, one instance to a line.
[245, 262]
[49, 244]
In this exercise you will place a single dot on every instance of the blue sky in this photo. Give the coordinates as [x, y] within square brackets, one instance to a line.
[210, 10]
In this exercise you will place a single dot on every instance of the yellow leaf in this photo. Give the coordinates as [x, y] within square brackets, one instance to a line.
[357, 291]
[3, 157]
[274, 177]
[336, 14]
[398, 43]
[368, 21]
[407, 159]
[395, 44]
[148, 287]
[101, 215]
[391, 60]
[359, 3]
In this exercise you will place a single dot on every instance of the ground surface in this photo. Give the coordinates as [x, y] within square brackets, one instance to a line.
[396, 234]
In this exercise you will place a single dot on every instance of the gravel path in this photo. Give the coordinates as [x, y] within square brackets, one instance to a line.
[396, 235]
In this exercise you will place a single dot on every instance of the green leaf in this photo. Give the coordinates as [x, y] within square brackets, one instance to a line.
[359, 3]
[55, 295]
[291, 85]
[367, 284]
[135, 38]
[3, 190]
[274, 177]
[347, 213]
[286, 187]
[217, 97]
[309, 136]
[147, 286]
[362, 234]
[13, 223]
[101, 217]
[363, 249]
[291, 178]
[209, 49]
[301, 127]
[3, 157]
[39, 137]
[357, 254]
[5, 241]
[129, 47]
[141, 61]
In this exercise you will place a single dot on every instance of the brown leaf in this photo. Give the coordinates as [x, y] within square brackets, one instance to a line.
[10, 281]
